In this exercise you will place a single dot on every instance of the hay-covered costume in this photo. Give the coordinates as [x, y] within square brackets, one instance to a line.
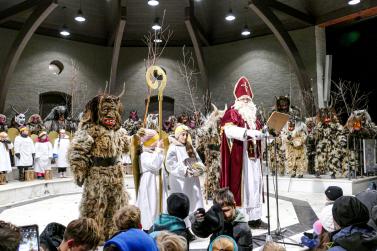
[3, 123]
[294, 140]
[359, 126]
[331, 143]
[277, 160]
[311, 144]
[208, 143]
[95, 160]
[35, 124]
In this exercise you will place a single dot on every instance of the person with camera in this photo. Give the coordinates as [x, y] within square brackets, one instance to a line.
[223, 218]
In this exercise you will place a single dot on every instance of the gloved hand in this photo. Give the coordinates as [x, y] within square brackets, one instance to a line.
[55, 156]
[53, 161]
[255, 134]
[33, 155]
[18, 155]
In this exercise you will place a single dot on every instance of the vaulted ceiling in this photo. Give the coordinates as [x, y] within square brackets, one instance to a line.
[103, 15]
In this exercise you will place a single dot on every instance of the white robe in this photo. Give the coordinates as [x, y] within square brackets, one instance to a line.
[147, 199]
[61, 149]
[25, 147]
[178, 181]
[43, 155]
[251, 175]
[5, 165]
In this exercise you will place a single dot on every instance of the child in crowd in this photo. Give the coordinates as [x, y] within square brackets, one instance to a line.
[60, 151]
[5, 162]
[43, 155]
[332, 193]
[24, 151]
[178, 206]
[81, 235]
[185, 167]
[150, 163]
[129, 237]
[167, 241]
[223, 219]
[273, 246]
[223, 243]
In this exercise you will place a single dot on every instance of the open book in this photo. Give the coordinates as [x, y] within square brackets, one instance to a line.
[277, 121]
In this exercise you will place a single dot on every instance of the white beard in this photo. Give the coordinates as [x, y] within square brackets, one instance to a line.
[247, 111]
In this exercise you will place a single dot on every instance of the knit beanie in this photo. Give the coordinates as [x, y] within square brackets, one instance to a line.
[327, 219]
[178, 205]
[180, 129]
[150, 138]
[347, 211]
[333, 192]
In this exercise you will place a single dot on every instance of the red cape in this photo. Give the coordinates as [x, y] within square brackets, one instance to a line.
[232, 156]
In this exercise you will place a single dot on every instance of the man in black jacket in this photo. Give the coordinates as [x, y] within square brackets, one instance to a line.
[223, 219]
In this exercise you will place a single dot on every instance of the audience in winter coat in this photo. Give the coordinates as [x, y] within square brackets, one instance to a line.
[351, 217]
[223, 219]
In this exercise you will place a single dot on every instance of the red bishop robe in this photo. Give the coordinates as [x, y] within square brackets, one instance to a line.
[232, 154]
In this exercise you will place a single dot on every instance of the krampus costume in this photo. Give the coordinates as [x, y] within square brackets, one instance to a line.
[57, 119]
[331, 143]
[19, 120]
[3, 123]
[359, 126]
[310, 144]
[208, 143]
[95, 160]
[294, 140]
[35, 124]
[282, 105]
[133, 123]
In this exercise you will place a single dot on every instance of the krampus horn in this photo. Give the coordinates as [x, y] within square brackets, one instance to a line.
[123, 90]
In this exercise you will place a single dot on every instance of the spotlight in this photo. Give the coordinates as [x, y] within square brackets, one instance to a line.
[353, 2]
[80, 17]
[230, 16]
[64, 31]
[157, 40]
[245, 31]
[156, 25]
[153, 2]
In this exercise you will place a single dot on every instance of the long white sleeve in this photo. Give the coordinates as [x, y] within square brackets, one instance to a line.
[151, 162]
[17, 145]
[235, 132]
[177, 168]
[37, 150]
[55, 149]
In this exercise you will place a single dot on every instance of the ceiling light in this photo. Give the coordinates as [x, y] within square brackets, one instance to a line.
[64, 31]
[353, 2]
[153, 2]
[157, 40]
[80, 17]
[230, 16]
[245, 31]
[156, 25]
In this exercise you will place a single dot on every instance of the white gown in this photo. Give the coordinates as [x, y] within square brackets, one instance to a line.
[178, 181]
[61, 149]
[43, 155]
[25, 147]
[251, 175]
[147, 199]
[5, 165]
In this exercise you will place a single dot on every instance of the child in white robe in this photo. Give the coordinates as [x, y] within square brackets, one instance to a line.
[60, 151]
[185, 167]
[43, 155]
[24, 151]
[151, 161]
[5, 146]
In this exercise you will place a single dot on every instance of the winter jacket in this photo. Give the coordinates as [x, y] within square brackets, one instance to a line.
[132, 239]
[354, 238]
[214, 224]
[166, 222]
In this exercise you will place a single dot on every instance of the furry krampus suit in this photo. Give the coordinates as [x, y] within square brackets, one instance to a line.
[208, 143]
[35, 124]
[331, 143]
[359, 126]
[294, 140]
[94, 157]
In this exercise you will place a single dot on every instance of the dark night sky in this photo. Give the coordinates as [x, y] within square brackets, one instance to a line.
[354, 50]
